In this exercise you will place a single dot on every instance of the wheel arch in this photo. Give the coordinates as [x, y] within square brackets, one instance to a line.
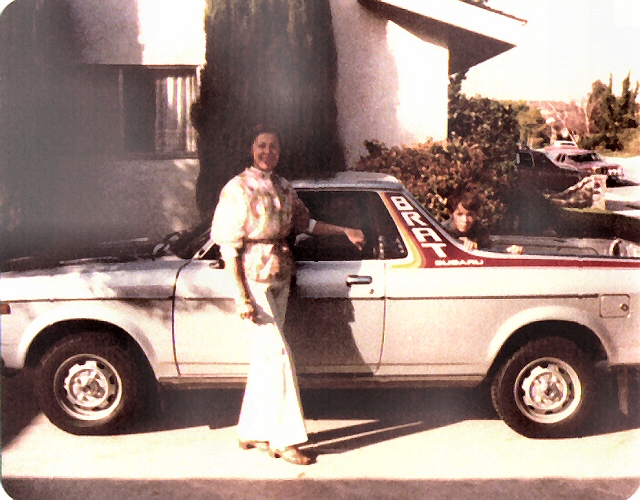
[55, 332]
[581, 335]
[123, 386]
[53, 325]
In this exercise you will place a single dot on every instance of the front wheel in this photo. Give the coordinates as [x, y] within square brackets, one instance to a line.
[89, 384]
[545, 390]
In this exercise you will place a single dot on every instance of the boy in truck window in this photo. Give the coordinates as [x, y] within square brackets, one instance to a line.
[463, 224]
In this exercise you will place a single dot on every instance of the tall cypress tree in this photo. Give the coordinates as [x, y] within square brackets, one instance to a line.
[627, 107]
[267, 61]
[610, 115]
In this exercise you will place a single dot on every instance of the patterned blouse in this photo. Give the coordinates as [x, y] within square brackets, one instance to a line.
[256, 212]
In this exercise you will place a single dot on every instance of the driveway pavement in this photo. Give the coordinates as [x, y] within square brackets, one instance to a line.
[432, 443]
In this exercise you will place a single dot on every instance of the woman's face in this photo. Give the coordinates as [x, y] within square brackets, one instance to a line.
[266, 151]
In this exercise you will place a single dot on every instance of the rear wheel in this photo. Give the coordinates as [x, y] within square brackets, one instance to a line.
[545, 390]
[89, 384]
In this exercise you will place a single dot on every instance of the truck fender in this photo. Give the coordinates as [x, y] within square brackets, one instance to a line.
[547, 313]
[108, 314]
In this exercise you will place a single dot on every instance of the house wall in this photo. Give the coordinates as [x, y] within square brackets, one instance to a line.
[392, 86]
[149, 32]
[67, 179]
[114, 199]
[61, 130]
[101, 191]
[126, 196]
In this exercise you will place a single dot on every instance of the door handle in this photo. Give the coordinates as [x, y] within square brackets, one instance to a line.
[354, 279]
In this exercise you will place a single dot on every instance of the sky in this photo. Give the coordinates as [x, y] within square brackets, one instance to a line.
[566, 45]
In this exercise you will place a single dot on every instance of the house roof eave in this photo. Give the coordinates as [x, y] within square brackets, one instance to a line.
[451, 23]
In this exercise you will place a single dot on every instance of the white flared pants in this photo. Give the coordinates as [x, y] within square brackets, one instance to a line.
[271, 409]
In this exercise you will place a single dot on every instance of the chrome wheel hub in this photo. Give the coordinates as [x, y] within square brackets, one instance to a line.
[548, 390]
[88, 387]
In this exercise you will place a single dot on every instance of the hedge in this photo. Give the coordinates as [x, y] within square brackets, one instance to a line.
[436, 172]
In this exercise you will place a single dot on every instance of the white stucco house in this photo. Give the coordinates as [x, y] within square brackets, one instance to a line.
[101, 90]
[394, 62]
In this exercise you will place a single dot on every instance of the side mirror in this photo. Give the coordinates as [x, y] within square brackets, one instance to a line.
[209, 251]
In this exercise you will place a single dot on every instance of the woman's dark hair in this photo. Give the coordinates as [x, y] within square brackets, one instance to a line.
[253, 133]
[264, 128]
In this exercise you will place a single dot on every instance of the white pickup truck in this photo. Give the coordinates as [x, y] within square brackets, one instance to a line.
[412, 308]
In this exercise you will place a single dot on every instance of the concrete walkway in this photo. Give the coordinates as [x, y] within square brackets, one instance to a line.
[626, 200]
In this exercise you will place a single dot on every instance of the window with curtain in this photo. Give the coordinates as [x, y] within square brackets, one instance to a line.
[155, 108]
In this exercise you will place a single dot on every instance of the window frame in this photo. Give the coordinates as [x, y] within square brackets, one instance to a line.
[375, 211]
[157, 133]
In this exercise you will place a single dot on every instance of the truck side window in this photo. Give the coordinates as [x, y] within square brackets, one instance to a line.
[356, 209]
[390, 244]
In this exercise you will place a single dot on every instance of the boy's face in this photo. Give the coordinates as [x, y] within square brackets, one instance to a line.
[463, 219]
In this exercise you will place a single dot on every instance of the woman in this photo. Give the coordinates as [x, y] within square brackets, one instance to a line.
[256, 211]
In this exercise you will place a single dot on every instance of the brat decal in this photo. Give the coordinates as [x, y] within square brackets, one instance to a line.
[425, 235]
[428, 248]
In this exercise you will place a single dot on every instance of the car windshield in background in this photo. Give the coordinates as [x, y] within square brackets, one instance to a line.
[585, 157]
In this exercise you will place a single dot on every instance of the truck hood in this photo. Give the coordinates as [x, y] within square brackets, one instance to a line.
[145, 279]
[105, 252]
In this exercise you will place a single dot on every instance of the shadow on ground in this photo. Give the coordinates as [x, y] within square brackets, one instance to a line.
[19, 407]
[377, 414]
[389, 413]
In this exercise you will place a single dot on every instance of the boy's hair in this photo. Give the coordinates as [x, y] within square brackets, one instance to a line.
[470, 200]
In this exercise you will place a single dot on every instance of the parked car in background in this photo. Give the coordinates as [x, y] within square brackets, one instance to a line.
[583, 160]
[564, 164]
[413, 308]
[535, 168]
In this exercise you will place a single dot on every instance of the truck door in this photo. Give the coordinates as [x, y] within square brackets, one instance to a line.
[335, 320]
[209, 336]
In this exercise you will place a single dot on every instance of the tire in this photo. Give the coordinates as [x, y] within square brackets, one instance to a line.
[546, 389]
[89, 384]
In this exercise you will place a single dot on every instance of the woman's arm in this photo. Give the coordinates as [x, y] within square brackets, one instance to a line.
[303, 223]
[245, 306]
[356, 236]
[227, 229]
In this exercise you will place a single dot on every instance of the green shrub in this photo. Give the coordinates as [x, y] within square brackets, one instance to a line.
[479, 155]
[435, 172]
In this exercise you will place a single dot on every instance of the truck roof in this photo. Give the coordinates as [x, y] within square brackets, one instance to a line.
[351, 180]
